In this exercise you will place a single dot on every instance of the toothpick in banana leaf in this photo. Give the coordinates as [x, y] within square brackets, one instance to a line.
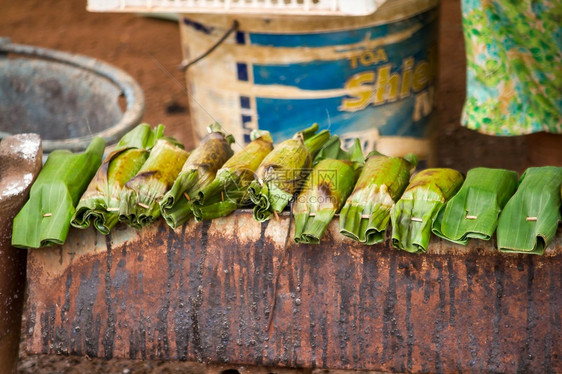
[198, 172]
[326, 188]
[473, 212]
[228, 190]
[366, 213]
[100, 203]
[141, 194]
[413, 215]
[45, 218]
[283, 171]
[530, 219]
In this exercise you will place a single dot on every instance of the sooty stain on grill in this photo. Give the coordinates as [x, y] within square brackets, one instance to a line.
[47, 321]
[197, 300]
[345, 290]
[109, 335]
[473, 343]
[526, 356]
[494, 357]
[181, 320]
[88, 324]
[439, 324]
[453, 283]
[63, 343]
[554, 319]
[314, 328]
[410, 338]
[162, 345]
[390, 329]
[262, 264]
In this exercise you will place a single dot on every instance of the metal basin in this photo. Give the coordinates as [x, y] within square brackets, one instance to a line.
[65, 98]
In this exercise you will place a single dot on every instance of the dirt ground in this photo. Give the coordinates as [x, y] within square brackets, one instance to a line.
[134, 43]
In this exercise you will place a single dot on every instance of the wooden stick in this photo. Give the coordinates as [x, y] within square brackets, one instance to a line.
[471, 217]
[416, 219]
[186, 196]
[143, 205]
[532, 218]
[47, 214]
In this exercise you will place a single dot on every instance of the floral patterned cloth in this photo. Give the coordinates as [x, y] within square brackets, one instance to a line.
[514, 66]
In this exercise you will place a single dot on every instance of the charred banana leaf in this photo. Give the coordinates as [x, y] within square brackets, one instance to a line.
[325, 191]
[282, 172]
[473, 212]
[413, 214]
[198, 172]
[366, 213]
[45, 218]
[140, 195]
[228, 190]
[100, 203]
[529, 220]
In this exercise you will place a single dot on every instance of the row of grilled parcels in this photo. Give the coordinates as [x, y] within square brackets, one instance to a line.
[149, 175]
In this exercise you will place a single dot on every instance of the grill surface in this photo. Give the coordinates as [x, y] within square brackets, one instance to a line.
[206, 292]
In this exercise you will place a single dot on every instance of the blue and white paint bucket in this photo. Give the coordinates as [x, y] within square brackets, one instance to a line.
[370, 77]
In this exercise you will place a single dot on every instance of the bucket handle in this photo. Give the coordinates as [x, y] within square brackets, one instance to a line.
[186, 64]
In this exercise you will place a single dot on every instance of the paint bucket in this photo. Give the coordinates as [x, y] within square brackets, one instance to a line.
[371, 77]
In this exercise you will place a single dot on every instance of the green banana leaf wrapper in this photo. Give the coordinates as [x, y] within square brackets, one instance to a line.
[100, 203]
[413, 215]
[366, 213]
[530, 219]
[473, 212]
[228, 190]
[198, 172]
[140, 196]
[326, 188]
[283, 171]
[45, 219]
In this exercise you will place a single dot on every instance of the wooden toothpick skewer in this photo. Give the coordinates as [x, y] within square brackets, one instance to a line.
[47, 214]
[416, 219]
[532, 218]
[186, 196]
[143, 205]
[471, 217]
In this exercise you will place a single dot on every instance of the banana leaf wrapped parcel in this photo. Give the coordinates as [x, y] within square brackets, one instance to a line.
[228, 191]
[198, 171]
[366, 213]
[140, 196]
[412, 216]
[281, 173]
[100, 203]
[45, 219]
[326, 188]
[530, 218]
[473, 212]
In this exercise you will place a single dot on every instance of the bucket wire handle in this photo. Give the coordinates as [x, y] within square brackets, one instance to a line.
[186, 64]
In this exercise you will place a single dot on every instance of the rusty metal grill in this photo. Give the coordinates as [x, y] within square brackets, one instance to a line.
[206, 292]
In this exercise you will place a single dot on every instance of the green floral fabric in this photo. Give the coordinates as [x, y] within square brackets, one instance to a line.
[514, 66]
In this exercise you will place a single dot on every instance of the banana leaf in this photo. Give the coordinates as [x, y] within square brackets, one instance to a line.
[100, 203]
[198, 172]
[283, 170]
[140, 196]
[45, 218]
[228, 190]
[473, 212]
[530, 219]
[325, 190]
[413, 215]
[366, 213]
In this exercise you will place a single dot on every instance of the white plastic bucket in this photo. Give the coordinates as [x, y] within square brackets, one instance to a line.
[371, 77]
